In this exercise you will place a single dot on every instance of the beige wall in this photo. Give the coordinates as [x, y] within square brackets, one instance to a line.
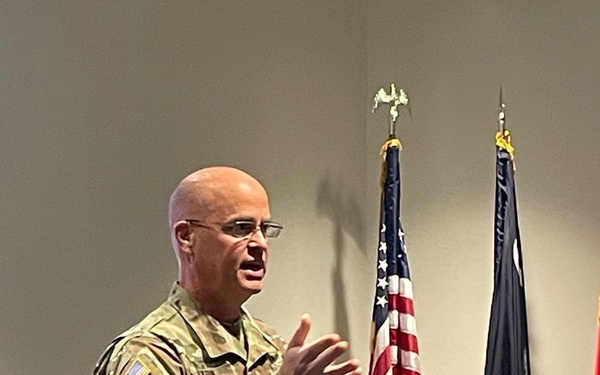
[452, 57]
[105, 106]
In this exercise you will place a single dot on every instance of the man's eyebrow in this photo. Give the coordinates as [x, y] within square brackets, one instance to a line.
[241, 218]
[246, 218]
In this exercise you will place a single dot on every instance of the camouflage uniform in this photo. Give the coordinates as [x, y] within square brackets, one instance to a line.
[179, 338]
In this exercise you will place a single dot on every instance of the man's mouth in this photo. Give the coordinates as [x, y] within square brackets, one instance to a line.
[254, 270]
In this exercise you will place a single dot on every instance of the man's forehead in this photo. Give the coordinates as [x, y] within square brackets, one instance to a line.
[234, 198]
[230, 189]
[220, 193]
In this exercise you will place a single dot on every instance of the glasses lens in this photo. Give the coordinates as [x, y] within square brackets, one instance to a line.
[271, 230]
[242, 228]
[246, 228]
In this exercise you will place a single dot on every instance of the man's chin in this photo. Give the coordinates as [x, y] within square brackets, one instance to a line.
[251, 284]
[251, 280]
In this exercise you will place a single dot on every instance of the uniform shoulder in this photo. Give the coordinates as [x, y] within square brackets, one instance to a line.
[145, 338]
[161, 315]
[164, 324]
[142, 351]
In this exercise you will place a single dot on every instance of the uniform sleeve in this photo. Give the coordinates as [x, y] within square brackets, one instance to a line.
[145, 356]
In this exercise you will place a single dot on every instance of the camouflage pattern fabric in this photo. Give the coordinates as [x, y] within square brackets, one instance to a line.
[178, 338]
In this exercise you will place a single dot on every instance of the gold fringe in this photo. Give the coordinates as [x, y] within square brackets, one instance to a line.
[391, 142]
[504, 141]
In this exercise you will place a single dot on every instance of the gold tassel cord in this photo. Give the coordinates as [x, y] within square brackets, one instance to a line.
[504, 141]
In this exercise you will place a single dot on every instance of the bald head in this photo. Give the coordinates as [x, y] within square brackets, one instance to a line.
[220, 269]
[210, 193]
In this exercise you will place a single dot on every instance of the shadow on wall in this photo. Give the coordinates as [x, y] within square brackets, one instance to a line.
[347, 217]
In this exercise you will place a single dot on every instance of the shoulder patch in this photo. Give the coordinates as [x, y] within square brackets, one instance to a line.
[138, 368]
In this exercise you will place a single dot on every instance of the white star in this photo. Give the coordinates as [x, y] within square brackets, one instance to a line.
[381, 301]
[382, 228]
[383, 264]
[400, 233]
[383, 247]
[382, 283]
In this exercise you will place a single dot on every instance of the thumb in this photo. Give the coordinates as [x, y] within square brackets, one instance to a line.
[301, 333]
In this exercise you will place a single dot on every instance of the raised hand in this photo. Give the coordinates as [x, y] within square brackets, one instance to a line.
[317, 357]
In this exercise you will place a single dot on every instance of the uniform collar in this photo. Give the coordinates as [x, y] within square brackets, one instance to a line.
[214, 338]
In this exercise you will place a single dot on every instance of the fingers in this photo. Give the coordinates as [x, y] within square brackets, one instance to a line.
[351, 367]
[323, 363]
[301, 333]
[327, 347]
[318, 356]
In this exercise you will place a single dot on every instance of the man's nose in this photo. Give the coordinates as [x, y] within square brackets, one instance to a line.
[259, 238]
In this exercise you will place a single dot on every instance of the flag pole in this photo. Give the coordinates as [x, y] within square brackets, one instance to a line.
[501, 113]
[503, 137]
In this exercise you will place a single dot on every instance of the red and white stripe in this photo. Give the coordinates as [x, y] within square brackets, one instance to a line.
[396, 346]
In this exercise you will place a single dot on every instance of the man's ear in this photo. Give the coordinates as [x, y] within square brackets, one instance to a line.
[183, 237]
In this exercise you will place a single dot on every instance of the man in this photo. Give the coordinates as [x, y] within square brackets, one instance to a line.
[220, 226]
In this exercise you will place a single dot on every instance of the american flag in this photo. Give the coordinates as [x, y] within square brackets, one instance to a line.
[394, 349]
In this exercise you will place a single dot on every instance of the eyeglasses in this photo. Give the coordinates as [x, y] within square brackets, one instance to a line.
[244, 228]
